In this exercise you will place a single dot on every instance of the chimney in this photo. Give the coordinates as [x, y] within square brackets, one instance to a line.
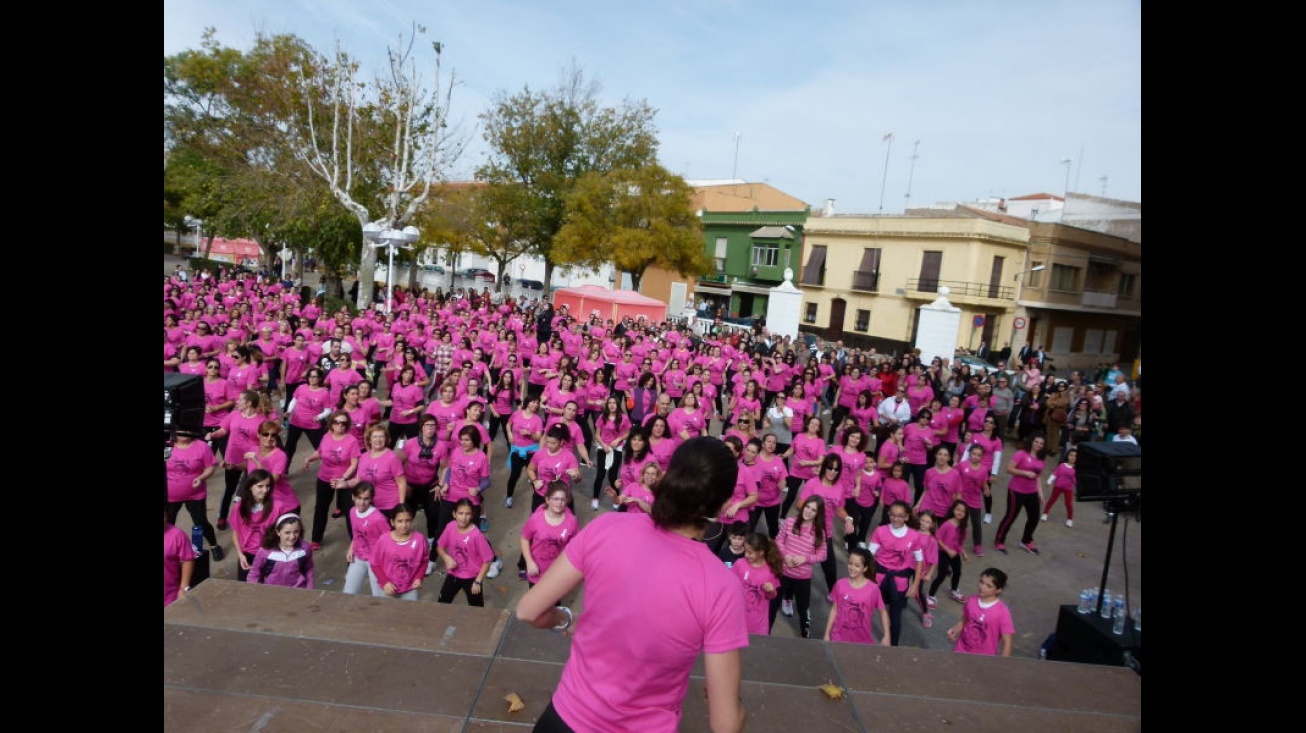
[829, 208]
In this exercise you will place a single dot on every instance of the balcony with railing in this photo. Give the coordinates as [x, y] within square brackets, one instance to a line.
[1097, 299]
[958, 289]
[866, 280]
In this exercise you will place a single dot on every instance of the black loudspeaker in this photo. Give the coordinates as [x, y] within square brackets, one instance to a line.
[183, 404]
[1088, 639]
[1108, 471]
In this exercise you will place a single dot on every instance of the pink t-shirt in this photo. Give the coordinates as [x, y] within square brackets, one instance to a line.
[982, 628]
[691, 422]
[832, 495]
[916, 442]
[973, 479]
[465, 473]
[278, 465]
[382, 471]
[469, 550]
[1023, 484]
[802, 544]
[402, 563]
[941, 488]
[895, 553]
[550, 467]
[418, 470]
[216, 392]
[746, 482]
[368, 527]
[547, 541]
[405, 397]
[757, 600]
[888, 454]
[1063, 477]
[771, 477]
[806, 448]
[895, 489]
[662, 451]
[249, 534]
[855, 609]
[637, 640]
[176, 550]
[309, 403]
[184, 466]
[853, 463]
[950, 536]
[337, 454]
[523, 426]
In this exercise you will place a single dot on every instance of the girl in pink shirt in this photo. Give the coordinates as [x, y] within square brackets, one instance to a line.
[270, 457]
[854, 602]
[309, 405]
[369, 526]
[772, 480]
[660, 442]
[1023, 494]
[1062, 482]
[547, 532]
[985, 626]
[407, 400]
[254, 512]
[802, 542]
[899, 560]
[829, 487]
[942, 484]
[466, 555]
[925, 523]
[188, 468]
[611, 429]
[808, 449]
[240, 429]
[917, 439]
[951, 538]
[974, 490]
[990, 437]
[759, 575]
[399, 558]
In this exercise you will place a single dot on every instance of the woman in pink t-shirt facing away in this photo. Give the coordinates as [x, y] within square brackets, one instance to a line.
[636, 642]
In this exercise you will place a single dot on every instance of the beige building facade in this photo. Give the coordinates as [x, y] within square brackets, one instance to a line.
[864, 279]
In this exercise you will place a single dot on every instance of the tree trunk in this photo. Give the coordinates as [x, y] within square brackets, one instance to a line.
[635, 279]
[548, 276]
[208, 247]
[366, 276]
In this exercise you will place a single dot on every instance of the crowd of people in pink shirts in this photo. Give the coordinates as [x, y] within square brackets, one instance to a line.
[889, 460]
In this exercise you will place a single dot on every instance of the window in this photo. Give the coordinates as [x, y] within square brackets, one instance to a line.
[863, 321]
[810, 315]
[766, 255]
[867, 275]
[995, 277]
[1127, 282]
[931, 263]
[814, 273]
[1064, 278]
[1034, 279]
[720, 254]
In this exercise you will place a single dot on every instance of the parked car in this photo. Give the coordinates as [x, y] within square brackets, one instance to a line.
[975, 363]
[477, 273]
[433, 268]
[530, 284]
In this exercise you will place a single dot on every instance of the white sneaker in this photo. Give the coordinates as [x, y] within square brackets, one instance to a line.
[988, 519]
[430, 567]
[594, 504]
[495, 567]
[615, 506]
[1045, 517]
[507, 502]
[1070, 522]
[862, 545]
[787, 608]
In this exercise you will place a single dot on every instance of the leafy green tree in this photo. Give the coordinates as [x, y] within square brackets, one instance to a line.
[542, 142]
[633, 218]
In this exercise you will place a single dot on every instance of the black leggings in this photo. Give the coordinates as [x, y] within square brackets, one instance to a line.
[948, 566]
[794, 484]
[453, 584]
[518, 463]
[828, 564]
[895, 602]
[600, 473]
[772, 514]
[798, 590]
[233, 482]
[198, 510]
[1015, 503]
[292, 440]
[863, 520]
[836, 420]
[916, 473]
[500, 422]
[325, 494]
[976, 523]
[290, 395]
[550, 722]
[404, 431]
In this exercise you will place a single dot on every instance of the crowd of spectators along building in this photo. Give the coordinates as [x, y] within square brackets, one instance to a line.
[893, 460]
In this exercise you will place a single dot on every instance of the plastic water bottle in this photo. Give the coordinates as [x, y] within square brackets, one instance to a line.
[1138, 620]
[197, 539]
[1083, 602]
[1106, 603]
[1118, 627]
[1092, 599]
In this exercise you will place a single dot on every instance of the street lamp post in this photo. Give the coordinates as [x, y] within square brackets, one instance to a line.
[390, 239]
[191, 221]
[1017, 277]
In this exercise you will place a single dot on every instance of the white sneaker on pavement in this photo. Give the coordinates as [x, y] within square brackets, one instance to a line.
[495, 567]
[594, 504]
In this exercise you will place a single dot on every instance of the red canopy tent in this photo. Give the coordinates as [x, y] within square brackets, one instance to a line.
[584, 300]
[236, 251]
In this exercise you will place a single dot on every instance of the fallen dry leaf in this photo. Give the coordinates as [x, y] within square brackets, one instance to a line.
[515, 704]
[832, 691]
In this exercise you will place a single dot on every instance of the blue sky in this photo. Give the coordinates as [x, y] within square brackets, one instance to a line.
[997, 93]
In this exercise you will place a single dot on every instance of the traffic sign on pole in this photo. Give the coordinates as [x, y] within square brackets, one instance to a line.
[1018, 324]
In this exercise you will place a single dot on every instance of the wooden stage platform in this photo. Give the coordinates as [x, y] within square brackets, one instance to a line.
[240, 657]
